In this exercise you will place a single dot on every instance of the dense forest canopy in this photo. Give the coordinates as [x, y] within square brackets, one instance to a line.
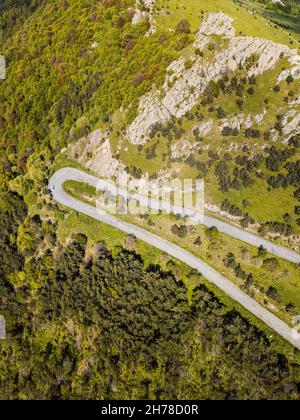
[104, 324]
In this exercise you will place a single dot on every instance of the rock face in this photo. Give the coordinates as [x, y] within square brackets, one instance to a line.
[183, 148]
[95, 153]
[205, 127]
[141, 16]
[149, 3]
[183, 86]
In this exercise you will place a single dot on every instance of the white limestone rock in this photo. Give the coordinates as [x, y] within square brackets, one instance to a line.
[295, 63]
[149, 3]
[291, 123]
[294, 102]
[242, 121]
[283, 76]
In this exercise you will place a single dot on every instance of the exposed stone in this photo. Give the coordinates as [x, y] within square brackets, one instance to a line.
[294, 102]
[205, 127]
[151, 30]
[139, 17]
[283, 75]
[291, 123]
[295, 63]
[278, 2]
[80, 150]
[149, 3]
[259, 118]
[95, 45]
[242, 121]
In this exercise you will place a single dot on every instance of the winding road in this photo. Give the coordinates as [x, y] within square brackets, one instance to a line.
[70, 174]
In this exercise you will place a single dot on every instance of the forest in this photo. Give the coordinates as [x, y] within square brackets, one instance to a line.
[100, 323]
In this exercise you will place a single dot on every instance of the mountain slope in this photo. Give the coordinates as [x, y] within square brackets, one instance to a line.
[156, 89]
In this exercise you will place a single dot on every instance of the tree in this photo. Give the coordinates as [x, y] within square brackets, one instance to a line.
[251, 90]
[183, 27]
[198, 241]
[272, 293]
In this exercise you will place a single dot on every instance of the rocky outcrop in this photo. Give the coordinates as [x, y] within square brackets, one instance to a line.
[139, 17]
[283, 75]
[183, 86]
[291, 123]
[294, 102]
[183, 148]
[94, 152]
[149, 3]
[217, 24]
[242, 121]
[295, 63]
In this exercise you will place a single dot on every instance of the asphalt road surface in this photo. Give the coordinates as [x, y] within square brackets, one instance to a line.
[59, 195]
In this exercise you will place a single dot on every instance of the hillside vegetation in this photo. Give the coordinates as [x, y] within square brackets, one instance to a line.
[108, 327]
[86, 318]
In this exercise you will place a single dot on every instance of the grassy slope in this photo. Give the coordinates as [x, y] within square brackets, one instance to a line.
[263, 204]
